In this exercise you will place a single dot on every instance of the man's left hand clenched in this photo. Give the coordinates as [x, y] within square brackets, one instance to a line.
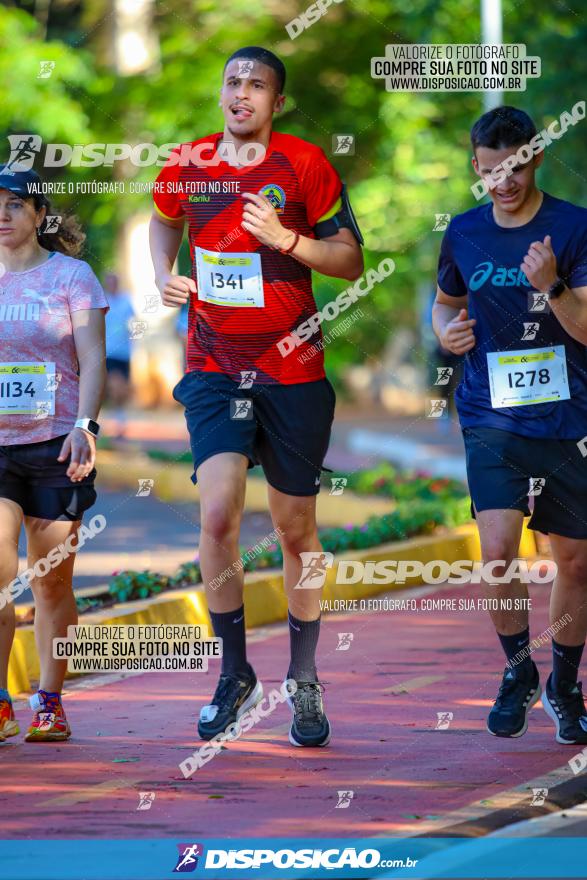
[260, 218]
[539, 265]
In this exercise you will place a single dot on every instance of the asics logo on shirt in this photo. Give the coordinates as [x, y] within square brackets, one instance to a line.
[500, 277]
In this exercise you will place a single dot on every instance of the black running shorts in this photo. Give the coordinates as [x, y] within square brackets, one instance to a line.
[31, 476]
[284, 428]
[500, 466]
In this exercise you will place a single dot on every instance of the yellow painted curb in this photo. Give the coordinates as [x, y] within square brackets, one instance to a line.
[265, 600]
[22, 652]
[171, 483]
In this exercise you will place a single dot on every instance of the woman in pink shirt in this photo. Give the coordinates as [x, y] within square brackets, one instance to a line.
[52, 374]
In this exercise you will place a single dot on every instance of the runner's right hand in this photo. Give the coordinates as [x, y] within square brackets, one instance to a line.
[175, 290]
[458, 336]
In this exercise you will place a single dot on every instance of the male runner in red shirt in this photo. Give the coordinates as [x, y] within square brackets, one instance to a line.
[256, 230]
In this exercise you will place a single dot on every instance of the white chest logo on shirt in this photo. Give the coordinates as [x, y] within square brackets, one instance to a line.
[37, 297]
[30, 311]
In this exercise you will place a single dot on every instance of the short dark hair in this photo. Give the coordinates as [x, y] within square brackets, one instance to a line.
[264, 56]
[502, 127]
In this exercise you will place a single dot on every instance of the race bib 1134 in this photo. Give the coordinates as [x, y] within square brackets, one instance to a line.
[27, 389]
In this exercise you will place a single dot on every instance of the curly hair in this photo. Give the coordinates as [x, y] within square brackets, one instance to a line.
[68, 238]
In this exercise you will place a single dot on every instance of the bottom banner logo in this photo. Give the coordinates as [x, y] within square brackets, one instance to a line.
[187, 860]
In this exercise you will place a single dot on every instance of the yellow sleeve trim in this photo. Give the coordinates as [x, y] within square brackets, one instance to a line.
[159, 211]
[334, 210]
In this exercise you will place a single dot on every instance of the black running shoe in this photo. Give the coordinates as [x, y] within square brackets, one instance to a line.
[567, 709]
[310, 726]
[516, 696]
[234, 694]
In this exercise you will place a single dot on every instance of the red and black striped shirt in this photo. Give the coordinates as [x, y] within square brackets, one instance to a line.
[304, 188]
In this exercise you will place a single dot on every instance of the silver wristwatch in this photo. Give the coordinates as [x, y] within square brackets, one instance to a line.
[89, 426]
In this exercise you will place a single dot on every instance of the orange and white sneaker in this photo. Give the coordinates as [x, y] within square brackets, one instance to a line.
[49, 723]
[8, 723]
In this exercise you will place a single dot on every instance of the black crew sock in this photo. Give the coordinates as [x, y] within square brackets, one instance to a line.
[512, 646]
[565, 663]
[303, 639]
[230, 627]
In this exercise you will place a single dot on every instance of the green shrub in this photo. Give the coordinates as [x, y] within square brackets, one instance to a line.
[127, 586]
[387, 481]
[422, 517]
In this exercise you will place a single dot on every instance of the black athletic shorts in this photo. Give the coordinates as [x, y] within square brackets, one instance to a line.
[500, 466]
[284, 428]
[118, 365]
[31, 475]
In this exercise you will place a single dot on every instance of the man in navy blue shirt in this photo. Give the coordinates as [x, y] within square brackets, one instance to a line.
[512, 298]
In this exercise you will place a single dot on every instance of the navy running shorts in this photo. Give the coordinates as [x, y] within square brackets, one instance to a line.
[118, 365]
[500, 466]
[31, 476]
[284, 428]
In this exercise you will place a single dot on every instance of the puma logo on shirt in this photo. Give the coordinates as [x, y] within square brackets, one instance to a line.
[36, 327]
[26, 311]
[39, 297]
[20, 312]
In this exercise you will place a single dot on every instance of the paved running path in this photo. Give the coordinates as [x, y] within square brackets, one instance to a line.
[383, 696]
[147, 533]
[361, 437]
[143, 533]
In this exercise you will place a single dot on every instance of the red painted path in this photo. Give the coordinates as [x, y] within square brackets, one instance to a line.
[382, 695]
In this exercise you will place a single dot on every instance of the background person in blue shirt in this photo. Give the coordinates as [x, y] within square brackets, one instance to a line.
[512, 298]
[118, 349]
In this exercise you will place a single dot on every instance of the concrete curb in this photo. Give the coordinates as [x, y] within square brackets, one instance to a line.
[265, 600]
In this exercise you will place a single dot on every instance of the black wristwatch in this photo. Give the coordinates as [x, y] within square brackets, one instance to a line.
[556, 289]
[89, 426]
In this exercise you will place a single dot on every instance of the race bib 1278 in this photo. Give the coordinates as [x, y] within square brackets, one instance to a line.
[535, 375]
